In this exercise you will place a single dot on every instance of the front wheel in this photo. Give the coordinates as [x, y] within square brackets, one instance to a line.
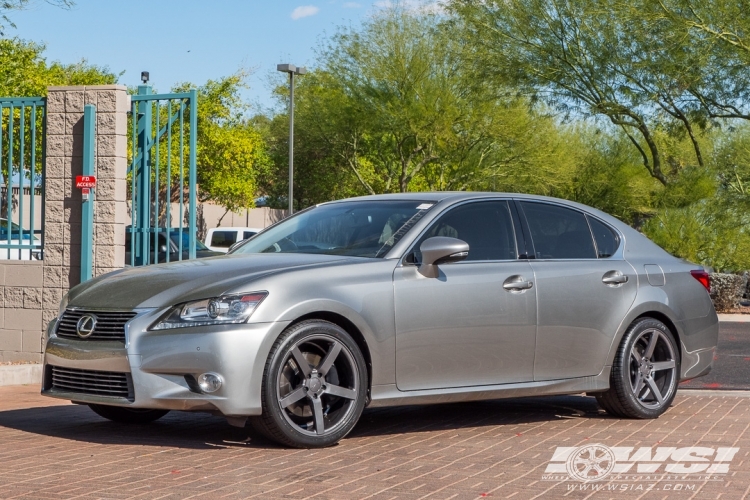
[128, 415]
[645, 373]
[314, 386]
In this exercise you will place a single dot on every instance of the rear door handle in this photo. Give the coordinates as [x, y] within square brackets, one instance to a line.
[614, 278]
[517, 283]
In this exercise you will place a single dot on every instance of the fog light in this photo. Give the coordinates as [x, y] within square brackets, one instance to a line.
[209, 382]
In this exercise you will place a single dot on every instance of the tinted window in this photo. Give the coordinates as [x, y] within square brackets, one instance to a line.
[485, 226]
[223, 239]
[248, 234]
[558, 233]
[607, 241]
[174, 235]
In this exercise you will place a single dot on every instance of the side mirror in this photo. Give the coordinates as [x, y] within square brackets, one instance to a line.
[441, 250]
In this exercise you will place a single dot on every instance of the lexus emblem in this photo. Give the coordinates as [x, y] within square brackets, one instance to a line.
[86, 325]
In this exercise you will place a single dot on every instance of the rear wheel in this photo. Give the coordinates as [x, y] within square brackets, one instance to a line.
[314, 386]
[128, 415]
[645, 373]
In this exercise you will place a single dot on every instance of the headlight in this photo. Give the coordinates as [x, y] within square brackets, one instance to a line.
[222, 310]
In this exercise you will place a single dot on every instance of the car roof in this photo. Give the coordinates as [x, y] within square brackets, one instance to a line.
[456, 196]
[637, 243]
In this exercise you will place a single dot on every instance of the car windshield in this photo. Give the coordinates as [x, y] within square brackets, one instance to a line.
[175, 237]
[351, 228]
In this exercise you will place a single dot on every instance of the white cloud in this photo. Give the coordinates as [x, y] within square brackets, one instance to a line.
[414, 6]
[304, 11]
[352, 5]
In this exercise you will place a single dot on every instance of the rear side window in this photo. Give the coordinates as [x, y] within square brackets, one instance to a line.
[558, 232]
[223, 239]
[248, 234]
[607, 241]
[485, 226]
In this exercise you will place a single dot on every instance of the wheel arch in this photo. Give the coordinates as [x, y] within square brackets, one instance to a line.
[350, 328]
[660, 316]
[655, 310]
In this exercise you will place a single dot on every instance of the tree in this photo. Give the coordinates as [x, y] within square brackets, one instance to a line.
[720, 30]
[231, 152]
[390, 109]
[24, 72]
[616, 60]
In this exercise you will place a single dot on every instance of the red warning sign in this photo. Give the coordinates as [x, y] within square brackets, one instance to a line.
[85, 181]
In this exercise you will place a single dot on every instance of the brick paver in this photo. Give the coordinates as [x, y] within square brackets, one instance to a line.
[496, 449]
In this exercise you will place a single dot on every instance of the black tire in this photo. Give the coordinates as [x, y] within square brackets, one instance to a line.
[636, 376]
[128, 415]
[296, 424]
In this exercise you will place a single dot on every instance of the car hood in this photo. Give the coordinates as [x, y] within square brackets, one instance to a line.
[162, 285]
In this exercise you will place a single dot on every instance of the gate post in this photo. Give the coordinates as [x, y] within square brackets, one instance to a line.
[143, 181]
[87, 211]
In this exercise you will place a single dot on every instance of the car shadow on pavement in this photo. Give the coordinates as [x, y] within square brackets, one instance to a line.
[204, 431]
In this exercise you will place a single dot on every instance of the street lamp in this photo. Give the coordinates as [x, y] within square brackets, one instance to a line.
[292, 70]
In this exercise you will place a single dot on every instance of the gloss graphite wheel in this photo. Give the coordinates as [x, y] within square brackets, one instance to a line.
[645, 373]
[314, 386]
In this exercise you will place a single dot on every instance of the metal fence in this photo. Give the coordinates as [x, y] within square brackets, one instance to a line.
[22, 170]
[164, 131]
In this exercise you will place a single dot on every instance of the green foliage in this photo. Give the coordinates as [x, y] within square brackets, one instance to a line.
[391, 109]
[705, 233]
[231, 151]
[25, 72]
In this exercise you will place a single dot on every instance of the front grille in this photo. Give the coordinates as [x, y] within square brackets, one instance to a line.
[109, 325]
[96, 383]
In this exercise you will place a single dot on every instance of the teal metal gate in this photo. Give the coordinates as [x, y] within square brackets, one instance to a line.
[22, 167]
[160, 155]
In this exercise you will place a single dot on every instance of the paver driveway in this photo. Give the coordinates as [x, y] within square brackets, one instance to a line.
[497, 449]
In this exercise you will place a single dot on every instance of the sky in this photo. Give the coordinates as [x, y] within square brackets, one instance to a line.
[191, 40]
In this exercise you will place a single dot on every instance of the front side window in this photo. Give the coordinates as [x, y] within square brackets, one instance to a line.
[486, 226]
[351, 228]
[248, 234]
[558, 232]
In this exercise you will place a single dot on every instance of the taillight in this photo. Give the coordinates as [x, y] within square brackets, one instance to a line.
[703, 277]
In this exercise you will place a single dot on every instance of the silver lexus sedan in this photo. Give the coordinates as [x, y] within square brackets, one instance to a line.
[415, 298]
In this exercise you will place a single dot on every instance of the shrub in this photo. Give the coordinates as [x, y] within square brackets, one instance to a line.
[727, 290]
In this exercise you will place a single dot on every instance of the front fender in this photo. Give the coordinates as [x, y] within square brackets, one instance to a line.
[374, 322]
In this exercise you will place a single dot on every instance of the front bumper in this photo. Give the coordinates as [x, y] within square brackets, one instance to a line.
[156, 363]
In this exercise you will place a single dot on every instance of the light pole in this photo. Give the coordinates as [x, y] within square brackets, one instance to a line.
[292, 70]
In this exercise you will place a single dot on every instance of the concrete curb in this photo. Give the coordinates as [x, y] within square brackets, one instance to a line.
[734, 318]
[20, 374]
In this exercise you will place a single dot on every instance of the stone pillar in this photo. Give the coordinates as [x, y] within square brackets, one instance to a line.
[62, 217]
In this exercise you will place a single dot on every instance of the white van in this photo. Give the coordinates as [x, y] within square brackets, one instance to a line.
[220, 239]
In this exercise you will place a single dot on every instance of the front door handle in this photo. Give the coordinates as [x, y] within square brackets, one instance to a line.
[614, 278]
[517, 283]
